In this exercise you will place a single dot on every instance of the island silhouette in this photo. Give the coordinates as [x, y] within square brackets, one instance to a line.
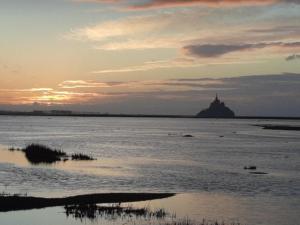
[217, 109]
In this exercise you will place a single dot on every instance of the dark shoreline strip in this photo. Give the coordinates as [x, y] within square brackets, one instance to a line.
[279, 127]
[12, 113]
[14, 203]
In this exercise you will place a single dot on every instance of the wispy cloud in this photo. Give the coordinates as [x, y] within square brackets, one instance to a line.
[152, 66]
[119, 28]
[27, 90]
[277, 29]
[178, 3]
[159, 30]
[174, 63]
[170, 30]
[74, 84]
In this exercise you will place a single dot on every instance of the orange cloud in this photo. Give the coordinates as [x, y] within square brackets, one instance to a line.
[71, 84]
[45, 96]
[63, 97]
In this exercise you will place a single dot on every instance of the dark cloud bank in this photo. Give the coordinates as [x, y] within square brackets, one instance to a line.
[217, 50]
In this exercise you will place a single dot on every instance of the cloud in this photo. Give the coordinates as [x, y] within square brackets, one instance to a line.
[172, 30]
[27, 90]
[183, 3]
[73, 84]
[140, 43]
[45, 96]
[176, 3]
[98, 1]
[292, 57]
[60, 97]
[277, 29]
[151, 66]
[173, 63]
[132, 26]
[159, 30]
[199, 84]
[217, 50]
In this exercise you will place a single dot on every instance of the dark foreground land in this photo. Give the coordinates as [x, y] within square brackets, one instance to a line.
[279, 127]
[14, 203]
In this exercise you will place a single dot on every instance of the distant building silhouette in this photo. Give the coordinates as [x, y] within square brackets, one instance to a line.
[61, 112]
[217, 109]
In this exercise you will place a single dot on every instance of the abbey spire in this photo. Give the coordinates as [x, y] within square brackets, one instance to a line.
[217, 109]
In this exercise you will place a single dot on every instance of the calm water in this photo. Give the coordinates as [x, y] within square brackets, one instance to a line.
[140, 154]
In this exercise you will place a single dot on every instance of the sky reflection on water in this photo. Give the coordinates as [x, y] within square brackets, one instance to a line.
[151, 155]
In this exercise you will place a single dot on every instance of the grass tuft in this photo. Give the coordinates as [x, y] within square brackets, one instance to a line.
[37, 153]
[80, 156]
[94, 211]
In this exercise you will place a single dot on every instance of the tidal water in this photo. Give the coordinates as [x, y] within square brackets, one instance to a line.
[152, 155]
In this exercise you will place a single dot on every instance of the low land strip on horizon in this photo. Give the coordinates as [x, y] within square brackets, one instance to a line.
[80, 114]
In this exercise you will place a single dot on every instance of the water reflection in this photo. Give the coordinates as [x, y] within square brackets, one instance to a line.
[194, 207]
[139, 155]
[230, 208]
[103, 166]
[13, 157]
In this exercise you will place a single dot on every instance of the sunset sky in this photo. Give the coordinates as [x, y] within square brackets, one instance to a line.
[152, 56]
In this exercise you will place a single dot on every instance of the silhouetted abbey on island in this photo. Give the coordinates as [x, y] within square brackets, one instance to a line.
[217, 109]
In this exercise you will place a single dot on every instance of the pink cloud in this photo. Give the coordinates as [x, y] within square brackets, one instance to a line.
[176, 3]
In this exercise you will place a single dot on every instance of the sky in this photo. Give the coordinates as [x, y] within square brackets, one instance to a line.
[150, 56]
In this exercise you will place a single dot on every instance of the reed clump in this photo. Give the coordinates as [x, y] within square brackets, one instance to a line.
[38, 153]
[94, 211]
[80, 156]
[203, 222]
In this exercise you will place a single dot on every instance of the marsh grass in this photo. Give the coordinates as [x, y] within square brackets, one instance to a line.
[112, 212]
[187, 221]
[12, 149]
[80, 156]
[94, 212]
[38, 154]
